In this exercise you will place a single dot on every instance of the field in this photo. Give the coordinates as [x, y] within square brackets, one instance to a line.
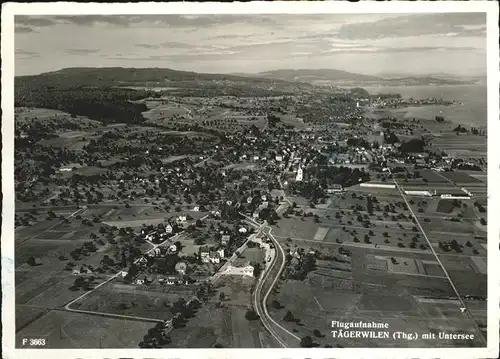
[315, 307]
[460, 178]
[465, 145]
[73, 331]
[202, 112]
[391, 266]
[225, 325]
[445, 206]
[387, 262]
[252, 255]
[371, 287]
[432, 176]
[141, 301]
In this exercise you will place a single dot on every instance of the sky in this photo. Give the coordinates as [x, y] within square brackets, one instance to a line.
[375, 44]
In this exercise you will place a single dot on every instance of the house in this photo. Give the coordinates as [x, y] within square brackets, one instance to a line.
[300, 175]
[335, 188]
[243, 230]
[157, 252]
[171, 280]
[204, 254]
[139, 281]
[279, 158]
[248, 270]
[249, 200]
[76, 271]
[214, 257]
[124, 273]
[221, 252]
[168, 228]
[225, 239]
[182, 219]
[255, 215]
[229, 203]
[181, 268]
[142, 260]
[172, 248]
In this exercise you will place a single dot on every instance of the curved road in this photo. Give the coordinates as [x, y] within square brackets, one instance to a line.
[264, 288]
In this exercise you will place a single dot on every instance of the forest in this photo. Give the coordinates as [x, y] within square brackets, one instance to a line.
[108, 105]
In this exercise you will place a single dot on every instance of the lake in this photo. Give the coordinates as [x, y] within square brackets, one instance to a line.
[474, 98]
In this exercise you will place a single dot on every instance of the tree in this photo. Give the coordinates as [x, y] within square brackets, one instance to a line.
[317, 333]
[289, 317]
[251, 315]
[31, 261]
[306, 342]
[276, 305]
[78, 283]
[257, 270]
[222, 296]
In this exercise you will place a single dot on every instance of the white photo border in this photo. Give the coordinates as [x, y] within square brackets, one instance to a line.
[9, 10]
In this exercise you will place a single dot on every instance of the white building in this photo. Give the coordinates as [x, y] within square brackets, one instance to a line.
[419, 193]
[168, 228]
[225, 238]
[378, 185]
[171, 280]
[204, 254]
[182, 219]
[181, 267]
[300, 175]
[248, 270]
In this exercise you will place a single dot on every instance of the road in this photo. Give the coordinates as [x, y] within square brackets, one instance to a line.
[436, 256]
[264, 287]
[202, 162]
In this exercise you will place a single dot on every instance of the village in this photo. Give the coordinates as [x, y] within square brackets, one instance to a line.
[232, 220]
